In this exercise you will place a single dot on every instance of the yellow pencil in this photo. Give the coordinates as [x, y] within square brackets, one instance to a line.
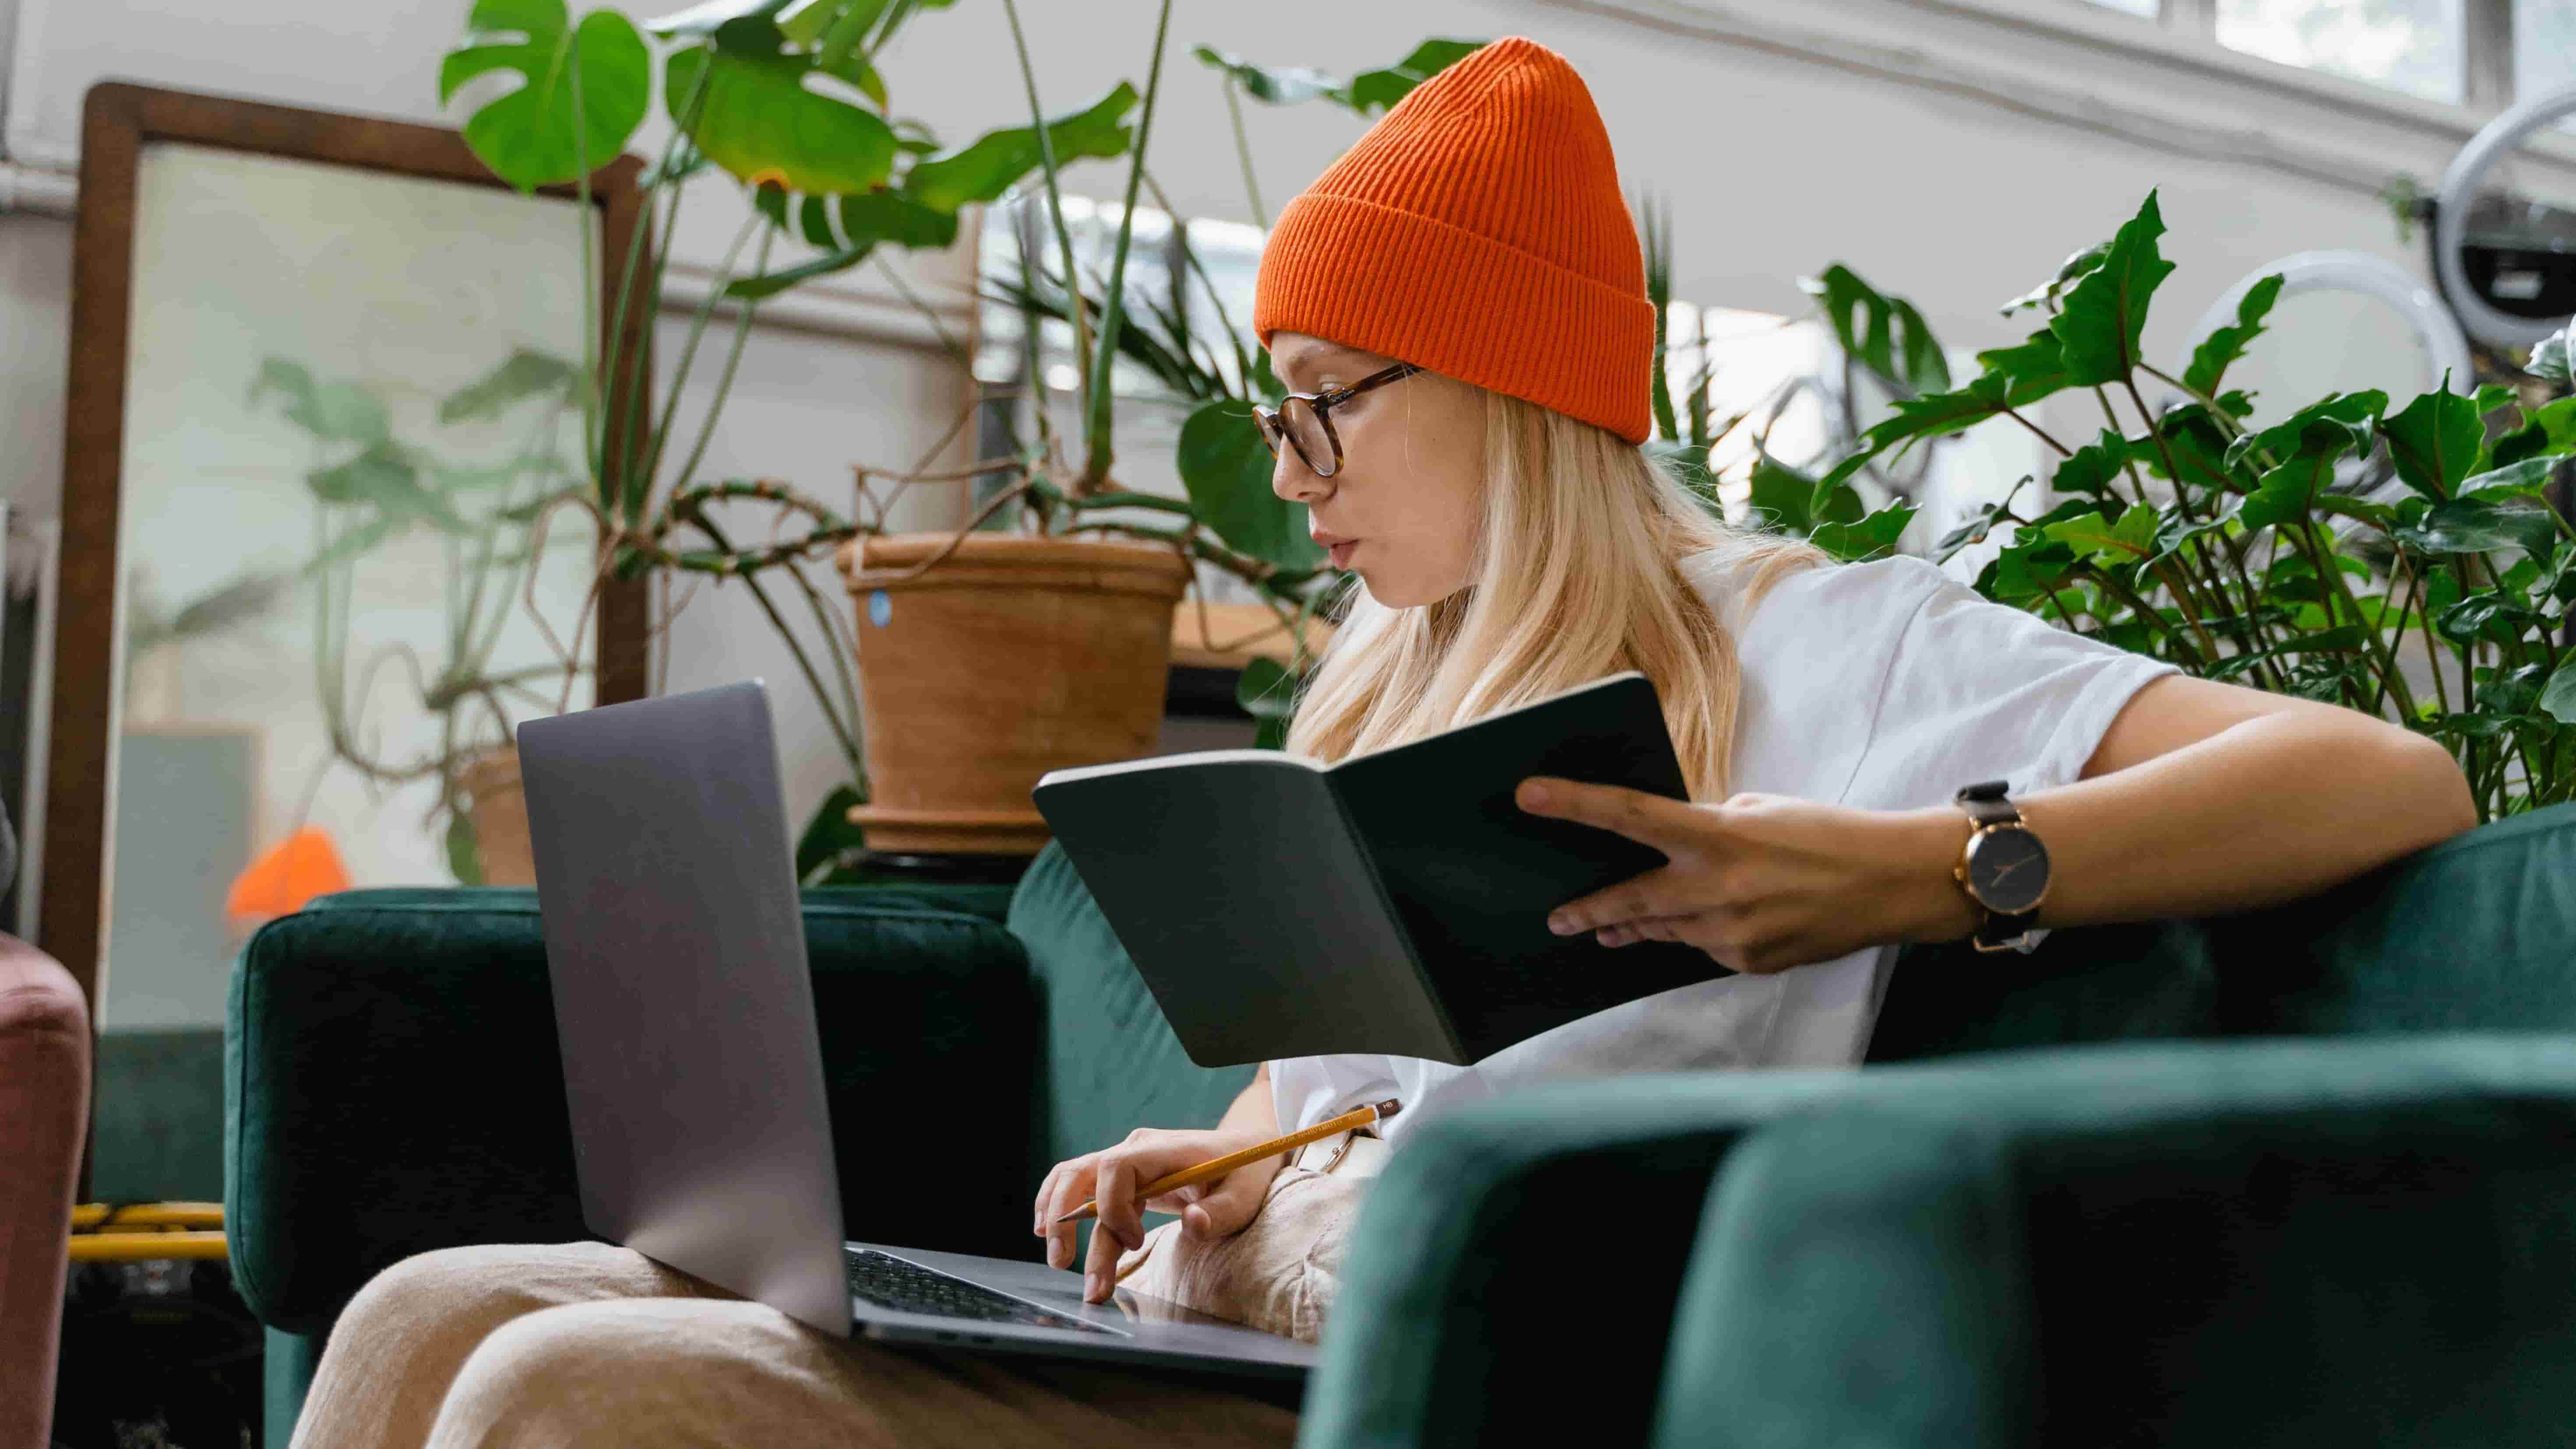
[1232, 1160]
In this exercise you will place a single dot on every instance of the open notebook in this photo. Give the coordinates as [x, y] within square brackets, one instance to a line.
[1392, 902]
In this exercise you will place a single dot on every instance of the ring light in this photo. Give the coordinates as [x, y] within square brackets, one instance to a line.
[2500, 326]
[2370, 276]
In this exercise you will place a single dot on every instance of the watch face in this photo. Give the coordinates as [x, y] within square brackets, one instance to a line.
[2009, 868]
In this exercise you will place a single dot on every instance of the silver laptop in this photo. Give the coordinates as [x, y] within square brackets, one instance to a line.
[693, 1070]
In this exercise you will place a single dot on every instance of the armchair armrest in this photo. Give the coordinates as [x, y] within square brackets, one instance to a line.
[2354, 1242]
[392, 1083]
[1583, 1238]
[44, 1110]
[1526, 1249]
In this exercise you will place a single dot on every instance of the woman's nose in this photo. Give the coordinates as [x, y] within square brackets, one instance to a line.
[1292, 480]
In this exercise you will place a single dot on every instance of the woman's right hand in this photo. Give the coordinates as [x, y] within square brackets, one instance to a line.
[1111, 1177]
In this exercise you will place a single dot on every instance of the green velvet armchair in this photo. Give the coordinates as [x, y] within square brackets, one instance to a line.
[2295, 1176]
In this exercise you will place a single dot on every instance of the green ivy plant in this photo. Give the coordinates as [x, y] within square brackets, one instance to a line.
[2186, 532]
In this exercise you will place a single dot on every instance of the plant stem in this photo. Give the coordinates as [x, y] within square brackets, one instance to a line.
[2321, 558]
[1055, 209]
[2145, 611]
[1097, 443]
[2265, 669]
[733, 359]
[787, 636]
[590, 343]
[612, 354]
[2063, 451]
[2183, 601]
[1243, 151]
[689, 355]
[2225, 419]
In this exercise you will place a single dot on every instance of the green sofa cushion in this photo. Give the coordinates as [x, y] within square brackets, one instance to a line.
[393, 1084]
[1109, 1061]
[2254, 1243]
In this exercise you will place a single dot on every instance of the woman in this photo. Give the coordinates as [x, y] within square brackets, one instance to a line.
[1461, 301]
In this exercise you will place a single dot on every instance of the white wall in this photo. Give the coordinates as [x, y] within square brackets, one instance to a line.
[1785, 135]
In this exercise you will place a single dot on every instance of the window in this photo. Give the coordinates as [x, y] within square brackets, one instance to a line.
[2414, 46]
[2452, 52]
[2544, 46]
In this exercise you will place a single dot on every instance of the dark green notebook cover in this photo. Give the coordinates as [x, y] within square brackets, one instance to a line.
[1394, 902]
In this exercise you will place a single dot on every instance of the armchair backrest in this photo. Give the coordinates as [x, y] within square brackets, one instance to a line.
[1108, 1062]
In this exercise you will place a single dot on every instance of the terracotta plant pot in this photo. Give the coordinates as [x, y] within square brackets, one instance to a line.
[500, 819]
[1010, 657]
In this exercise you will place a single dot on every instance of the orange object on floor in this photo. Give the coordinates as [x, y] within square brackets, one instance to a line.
[302, 866]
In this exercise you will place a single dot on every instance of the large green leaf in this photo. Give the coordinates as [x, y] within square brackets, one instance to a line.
[2550, 359]
[2032, 368]
[1275, 85]
[886, 216]
[2127, 541]
[1865, 538]
[1268, 692]
[2288, 492]
[2524, 478]
[2091, 469]
[2106, 312]
[2558, 700]
[1885, 334]
[524, 374]
[2435, 442]
[758, 121]
[2477, 525]
[2347, 417]
[384, 476]
[1780, 495]
[997, 160]
[533, 137]
[2069, 272]
[2025, 568]
[1372, 91]
[1941, 413]
[1227, 470]
[2219, 351]
[1368, 93]
[338, 412]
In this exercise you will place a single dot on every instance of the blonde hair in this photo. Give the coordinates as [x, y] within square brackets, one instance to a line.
[1576, 574]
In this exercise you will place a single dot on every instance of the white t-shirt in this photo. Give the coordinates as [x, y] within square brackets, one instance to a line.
[1884, 686]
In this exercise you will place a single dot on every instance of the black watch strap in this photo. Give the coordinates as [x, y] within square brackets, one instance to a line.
[1986, 804]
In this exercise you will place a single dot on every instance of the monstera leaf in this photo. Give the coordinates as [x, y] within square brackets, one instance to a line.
[997, 160]
[757, 119]
[336, 412]
[1227, 469]
[1368, 93]
[535, 136]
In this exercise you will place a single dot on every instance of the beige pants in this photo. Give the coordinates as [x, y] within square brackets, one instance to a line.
[587, 1344]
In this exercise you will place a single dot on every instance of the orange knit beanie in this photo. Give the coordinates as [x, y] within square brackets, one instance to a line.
[1477, 230]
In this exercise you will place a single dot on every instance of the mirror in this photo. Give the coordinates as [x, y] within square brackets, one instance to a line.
[325, 396]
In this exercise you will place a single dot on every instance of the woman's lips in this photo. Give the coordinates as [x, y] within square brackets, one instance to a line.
[1341, 552]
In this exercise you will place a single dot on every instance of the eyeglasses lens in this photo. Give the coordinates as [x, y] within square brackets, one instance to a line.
[1305, 427]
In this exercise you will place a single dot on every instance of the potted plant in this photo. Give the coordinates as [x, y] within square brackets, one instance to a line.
[2243, 552]
[979, 659]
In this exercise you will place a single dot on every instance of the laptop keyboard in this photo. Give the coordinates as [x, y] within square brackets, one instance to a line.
[907, 1287]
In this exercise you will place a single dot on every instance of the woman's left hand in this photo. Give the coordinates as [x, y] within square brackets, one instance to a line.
[1765, 882]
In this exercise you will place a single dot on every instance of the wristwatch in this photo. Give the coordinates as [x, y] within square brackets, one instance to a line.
[2003, 867]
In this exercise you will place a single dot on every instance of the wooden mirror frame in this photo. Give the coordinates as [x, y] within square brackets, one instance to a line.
[117, 119]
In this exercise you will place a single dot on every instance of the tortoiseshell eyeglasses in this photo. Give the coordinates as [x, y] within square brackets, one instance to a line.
[1305, 419]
